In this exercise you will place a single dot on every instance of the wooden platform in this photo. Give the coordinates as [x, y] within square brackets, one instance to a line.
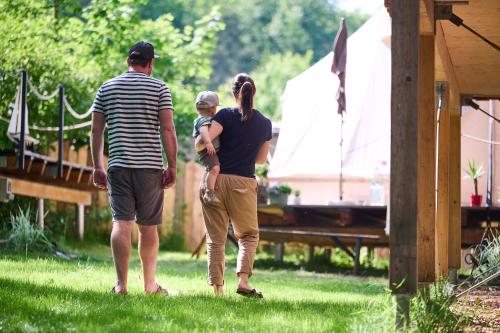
[43, 169]
[353, 220]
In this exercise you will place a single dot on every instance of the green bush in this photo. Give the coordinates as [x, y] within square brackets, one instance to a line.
[25, 236]
[431, 310]
[489, 260]
[173, 242]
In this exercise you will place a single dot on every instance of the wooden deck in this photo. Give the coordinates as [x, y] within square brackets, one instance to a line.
[352, 220]
[43, 169]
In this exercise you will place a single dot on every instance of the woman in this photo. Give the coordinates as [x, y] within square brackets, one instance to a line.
[245, 136]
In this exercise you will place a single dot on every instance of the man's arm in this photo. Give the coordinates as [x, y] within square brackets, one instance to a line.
[262, 154]
[169, 141]
[97, 149]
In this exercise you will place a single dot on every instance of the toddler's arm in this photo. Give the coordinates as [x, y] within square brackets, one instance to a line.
[204, 138]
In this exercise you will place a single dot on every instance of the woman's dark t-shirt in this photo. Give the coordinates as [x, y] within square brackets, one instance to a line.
[240, 142]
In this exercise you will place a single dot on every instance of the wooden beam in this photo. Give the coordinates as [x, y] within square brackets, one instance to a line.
[50, 192]
[426, 163]
[445, 59]
[404, 160]
[454, 184]
[426, 17]
[442, 213]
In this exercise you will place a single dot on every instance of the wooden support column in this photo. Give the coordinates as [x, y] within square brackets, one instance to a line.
[426, 163]
[40, 213]
[81, 220]
[404, 156]
[442, 213]
[279, 251]
[454, 186]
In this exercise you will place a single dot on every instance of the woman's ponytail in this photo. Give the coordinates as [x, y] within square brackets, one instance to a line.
[244, 90]
[246, 101]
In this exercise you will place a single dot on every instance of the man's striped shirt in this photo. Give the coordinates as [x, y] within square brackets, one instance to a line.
[131, 103]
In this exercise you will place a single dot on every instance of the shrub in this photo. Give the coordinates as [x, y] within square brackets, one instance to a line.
[431, 310]
[489, 260]
[24, 235]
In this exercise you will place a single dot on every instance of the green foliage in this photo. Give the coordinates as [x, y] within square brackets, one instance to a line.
[431, 310]
[256, 29]
[24, 236]
[271, 78]
[174, 241]
[489, 260]
[262, 170]
[474, 171]
[54, 45]
[280, 189]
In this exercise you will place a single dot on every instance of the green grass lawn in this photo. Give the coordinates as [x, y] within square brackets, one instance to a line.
[55, 295]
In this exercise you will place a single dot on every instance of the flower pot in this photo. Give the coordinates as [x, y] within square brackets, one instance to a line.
[280, 199]
[476, 200]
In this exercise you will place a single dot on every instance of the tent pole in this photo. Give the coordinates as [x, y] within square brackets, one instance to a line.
[341, 178]
[489, 190]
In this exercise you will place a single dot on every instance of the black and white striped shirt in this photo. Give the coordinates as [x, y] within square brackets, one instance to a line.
[131, 103]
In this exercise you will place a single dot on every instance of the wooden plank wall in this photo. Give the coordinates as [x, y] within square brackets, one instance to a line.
[194, 226]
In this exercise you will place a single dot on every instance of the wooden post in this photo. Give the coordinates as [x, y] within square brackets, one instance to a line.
[81, 220]
[426, 163]
[60, 135]
[404, 157]
[310, 255]
[40, 213]
[442, 213]
[279, 250]
[24, 91]
[454, 187]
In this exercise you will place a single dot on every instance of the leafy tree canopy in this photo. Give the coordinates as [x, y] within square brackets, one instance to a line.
[81, 46]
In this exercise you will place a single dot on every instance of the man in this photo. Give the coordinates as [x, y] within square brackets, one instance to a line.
[138, 112]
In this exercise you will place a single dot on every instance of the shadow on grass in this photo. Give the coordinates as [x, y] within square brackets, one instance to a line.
[49, 308]
[317, 266]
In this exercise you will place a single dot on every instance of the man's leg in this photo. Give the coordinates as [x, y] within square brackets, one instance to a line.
[121, 243]
[148, 250]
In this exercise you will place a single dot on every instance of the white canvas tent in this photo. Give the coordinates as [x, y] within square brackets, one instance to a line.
[308, 152]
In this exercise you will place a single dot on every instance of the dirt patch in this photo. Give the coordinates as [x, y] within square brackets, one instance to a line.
[482, 307]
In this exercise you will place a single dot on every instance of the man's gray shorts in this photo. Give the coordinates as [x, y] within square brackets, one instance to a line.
[136, 192]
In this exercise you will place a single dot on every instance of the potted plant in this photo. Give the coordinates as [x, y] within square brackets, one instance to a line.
[261, 172]
[475, 172]
[296, 199]
[278, 194]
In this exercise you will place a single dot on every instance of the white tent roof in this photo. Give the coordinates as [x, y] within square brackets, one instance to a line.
[308, 144]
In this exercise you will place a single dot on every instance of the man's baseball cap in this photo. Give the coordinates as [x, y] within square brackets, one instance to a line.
[142, 50]
[207, 99]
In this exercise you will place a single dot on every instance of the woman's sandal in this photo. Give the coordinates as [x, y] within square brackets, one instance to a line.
[249, 293]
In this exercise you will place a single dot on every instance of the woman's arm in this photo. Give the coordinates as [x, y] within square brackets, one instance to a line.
[262, 154]
[214, 131]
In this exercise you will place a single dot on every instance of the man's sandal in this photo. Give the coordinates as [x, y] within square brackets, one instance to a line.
[161, 291]
[113, 291]
[249, 293]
